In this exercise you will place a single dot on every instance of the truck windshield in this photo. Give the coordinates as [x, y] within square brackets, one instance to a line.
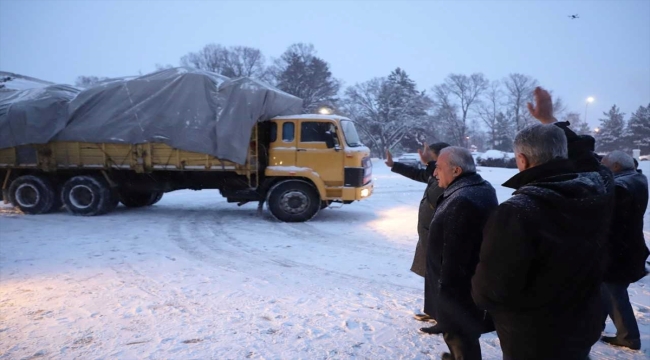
[350, 133]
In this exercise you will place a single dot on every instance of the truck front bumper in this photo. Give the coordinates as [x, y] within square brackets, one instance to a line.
[360, 193]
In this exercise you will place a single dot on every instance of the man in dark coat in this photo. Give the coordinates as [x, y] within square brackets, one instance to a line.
[429, 198]
[540, 266]
[627, 249]
[429, 155]
[454, 243]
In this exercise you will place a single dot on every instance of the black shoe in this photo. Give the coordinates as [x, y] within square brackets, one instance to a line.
[631, 344]
[423, 317]
[446, 356]
[432, 330]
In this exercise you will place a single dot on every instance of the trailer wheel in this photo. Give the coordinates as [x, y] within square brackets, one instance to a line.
[32, 194]
[137, 199]
[87, 196]
[157, 196]
[293, 201]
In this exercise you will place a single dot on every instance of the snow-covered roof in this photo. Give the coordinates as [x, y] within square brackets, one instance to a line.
[311, 116]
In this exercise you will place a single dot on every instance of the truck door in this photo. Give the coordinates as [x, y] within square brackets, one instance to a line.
[312, 151]
[283, 144]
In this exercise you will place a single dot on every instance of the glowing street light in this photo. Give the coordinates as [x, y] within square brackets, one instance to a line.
[590, 99]
[597, 130]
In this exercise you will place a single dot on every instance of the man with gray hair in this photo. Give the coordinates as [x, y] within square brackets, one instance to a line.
[540, 268]
[455, 236]
[626, 249]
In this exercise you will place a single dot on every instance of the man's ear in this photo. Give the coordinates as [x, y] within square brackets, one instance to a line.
[522, 161]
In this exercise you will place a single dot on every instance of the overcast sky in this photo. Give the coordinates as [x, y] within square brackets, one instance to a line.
[605, 53]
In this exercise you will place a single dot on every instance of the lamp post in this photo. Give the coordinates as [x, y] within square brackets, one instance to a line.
[589, 101]
[596, 131]
[467, 139]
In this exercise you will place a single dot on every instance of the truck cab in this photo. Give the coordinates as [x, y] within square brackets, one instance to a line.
[321, 151]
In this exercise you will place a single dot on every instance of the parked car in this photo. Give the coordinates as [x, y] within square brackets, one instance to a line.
[412, 159]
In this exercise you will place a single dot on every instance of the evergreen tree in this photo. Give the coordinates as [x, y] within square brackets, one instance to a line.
[611, 131]
[637, 133]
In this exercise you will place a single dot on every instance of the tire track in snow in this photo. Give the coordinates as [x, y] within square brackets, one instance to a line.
[219, 226]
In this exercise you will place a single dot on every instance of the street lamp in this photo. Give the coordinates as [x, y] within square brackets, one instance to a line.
[596, 130]
[589, 101]
[467, 138]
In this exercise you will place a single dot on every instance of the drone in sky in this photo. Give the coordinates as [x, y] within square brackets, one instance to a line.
[573, 17]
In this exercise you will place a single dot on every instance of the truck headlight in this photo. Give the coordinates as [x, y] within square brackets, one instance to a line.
[365, 192]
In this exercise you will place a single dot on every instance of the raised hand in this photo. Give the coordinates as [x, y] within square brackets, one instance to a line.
[389, 159]
[543, 110]
[426, 155]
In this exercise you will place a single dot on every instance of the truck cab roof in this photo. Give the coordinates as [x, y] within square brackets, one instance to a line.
[311, 116]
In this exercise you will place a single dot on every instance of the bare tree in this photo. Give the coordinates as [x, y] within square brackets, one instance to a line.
[210, 58]
[465, 92]
[490, 108]
[577, 123]
[519, 92]
[85, 82]
[243, 61]
[233, 62]
[160, 67]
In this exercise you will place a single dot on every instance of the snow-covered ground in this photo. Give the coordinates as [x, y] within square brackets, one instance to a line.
[194, 277]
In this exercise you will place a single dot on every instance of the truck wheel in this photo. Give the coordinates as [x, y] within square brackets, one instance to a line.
[32, 194]
[156, 197]
[137, 199]
[324, 204]
[293, 201]
[87, 196]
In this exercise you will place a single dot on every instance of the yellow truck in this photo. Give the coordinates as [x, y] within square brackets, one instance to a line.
[296, 164]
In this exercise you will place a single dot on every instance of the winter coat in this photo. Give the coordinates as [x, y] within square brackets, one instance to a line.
[425, 213]
[455, 237]
[627, 249]
[540, 266]
[581, 150]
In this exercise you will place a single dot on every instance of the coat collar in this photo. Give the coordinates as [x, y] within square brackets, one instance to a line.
[464, 180]
[626, 173]
[551, 168]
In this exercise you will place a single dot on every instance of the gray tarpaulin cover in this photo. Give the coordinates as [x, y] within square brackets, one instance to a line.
[184, 108]
[33, 116]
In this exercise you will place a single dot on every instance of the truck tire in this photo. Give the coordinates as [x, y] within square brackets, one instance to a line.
[137, 199]
[32, 194]
[293, 201]
[87, 196]
[157, 196]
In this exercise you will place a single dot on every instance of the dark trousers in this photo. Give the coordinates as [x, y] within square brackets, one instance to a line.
[617, 306]
[462, 346]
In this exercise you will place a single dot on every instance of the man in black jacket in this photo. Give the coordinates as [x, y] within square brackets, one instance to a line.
[540, 264]
[429, 155]
[627, 249]
[454, 243]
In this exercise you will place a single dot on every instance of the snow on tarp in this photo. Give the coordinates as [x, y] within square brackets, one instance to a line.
[33, 116]
[188, 109]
